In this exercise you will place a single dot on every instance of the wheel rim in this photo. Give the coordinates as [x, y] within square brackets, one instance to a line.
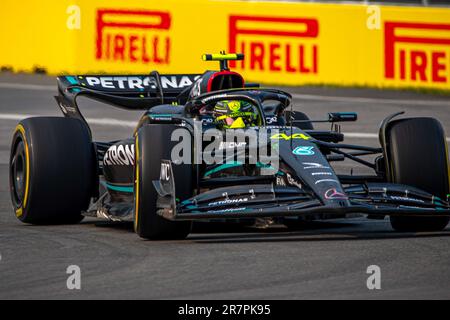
[18, 174]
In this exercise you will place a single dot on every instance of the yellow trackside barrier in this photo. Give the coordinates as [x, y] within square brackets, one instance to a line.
[283, 43]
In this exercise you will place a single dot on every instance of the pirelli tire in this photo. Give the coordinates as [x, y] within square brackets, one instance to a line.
[153, 144]
[418, 154]
[52, 170]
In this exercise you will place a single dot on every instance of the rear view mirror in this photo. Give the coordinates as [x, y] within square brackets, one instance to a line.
[342, 116]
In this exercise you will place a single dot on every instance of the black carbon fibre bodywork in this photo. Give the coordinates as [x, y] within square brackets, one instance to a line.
[303, 184]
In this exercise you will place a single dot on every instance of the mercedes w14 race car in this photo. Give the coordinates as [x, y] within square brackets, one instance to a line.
[166, 175]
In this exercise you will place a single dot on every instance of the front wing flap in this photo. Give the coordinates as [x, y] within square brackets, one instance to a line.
[269, 200]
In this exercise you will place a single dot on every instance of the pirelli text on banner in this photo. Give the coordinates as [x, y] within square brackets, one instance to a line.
[276, 44]
[418, 52]
[139, 36]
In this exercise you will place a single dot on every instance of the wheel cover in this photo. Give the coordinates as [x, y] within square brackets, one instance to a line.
[18, 174]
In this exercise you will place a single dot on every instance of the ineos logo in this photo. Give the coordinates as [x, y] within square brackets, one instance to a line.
[165, 172]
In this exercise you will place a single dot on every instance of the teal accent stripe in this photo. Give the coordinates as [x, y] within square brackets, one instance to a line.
[236, 164]
[129, 189]
[72, 80]
[223, 167]
[264, 165]
[159, 115]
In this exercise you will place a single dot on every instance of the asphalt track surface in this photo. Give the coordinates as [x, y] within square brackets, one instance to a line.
[324, 260]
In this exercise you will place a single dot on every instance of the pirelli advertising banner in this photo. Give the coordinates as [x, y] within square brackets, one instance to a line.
[284, 43]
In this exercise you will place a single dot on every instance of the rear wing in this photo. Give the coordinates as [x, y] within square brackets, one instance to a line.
[117, 89]
[132, 92]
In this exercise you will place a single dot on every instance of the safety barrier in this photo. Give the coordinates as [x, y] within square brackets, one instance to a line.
[284, 43]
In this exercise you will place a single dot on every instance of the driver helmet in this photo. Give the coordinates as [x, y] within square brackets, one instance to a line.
[234, 114]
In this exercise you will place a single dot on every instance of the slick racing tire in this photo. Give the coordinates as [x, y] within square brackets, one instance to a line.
[418, 155]
[51, 170]
[298, 116]
[153, 144]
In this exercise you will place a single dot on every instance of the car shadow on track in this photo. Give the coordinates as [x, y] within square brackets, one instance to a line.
[315, 231]
[316, 236]
[310, 231]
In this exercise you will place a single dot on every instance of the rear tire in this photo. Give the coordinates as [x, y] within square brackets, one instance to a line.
[418, 156]
[52, 170]
[153, 144]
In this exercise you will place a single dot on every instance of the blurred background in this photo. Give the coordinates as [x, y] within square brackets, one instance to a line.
[383, 44]
[375, 58]
[384, 2]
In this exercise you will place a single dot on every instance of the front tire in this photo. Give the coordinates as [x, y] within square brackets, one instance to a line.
[153, 144]
[52, 170]
[418, 156]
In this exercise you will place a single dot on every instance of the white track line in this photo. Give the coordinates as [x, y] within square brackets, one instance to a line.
[111, 122]
[132, 124]
[96, 121]
[361, 135]
[438, 103]
[38, 87]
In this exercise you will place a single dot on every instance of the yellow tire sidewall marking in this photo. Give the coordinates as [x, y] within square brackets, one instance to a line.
[21, 130]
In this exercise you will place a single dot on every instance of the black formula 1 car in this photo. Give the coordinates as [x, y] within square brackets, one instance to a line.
[58, 174]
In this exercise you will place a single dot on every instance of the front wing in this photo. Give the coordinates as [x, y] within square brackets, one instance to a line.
[270, 200]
